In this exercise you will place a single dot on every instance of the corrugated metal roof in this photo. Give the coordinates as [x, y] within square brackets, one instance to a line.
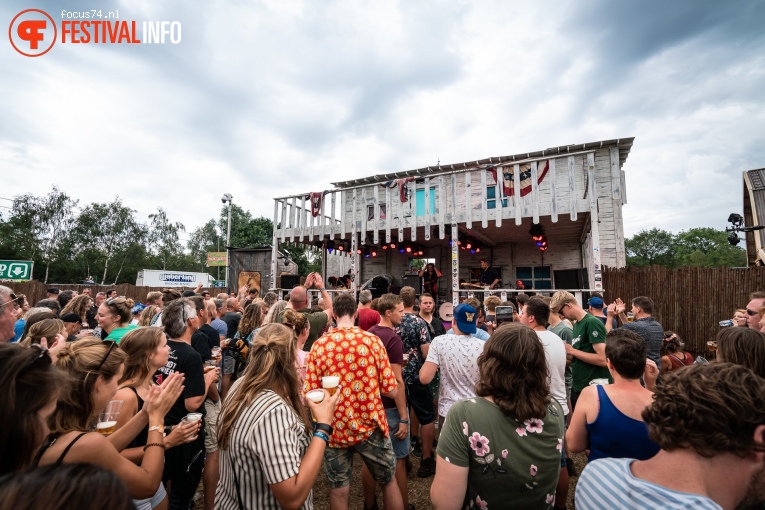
[624, 144]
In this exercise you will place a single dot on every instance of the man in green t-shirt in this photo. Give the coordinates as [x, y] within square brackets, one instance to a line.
[588, 347]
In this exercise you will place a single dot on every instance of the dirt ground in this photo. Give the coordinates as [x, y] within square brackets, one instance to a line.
[419, 488]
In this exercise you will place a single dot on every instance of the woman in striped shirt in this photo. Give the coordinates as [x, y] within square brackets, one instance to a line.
[269, 454]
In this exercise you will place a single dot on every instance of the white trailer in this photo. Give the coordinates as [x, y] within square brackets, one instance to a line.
[162, 278]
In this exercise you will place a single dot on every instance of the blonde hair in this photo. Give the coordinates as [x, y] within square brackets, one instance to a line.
[271, 365]
[84, 361]
[138, 345]
[47, 328]
[295, 320]
[147, 315]
[274, 311]
[560, 298]
[492, 302]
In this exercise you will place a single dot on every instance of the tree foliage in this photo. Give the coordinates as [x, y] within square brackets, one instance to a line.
[696, 247]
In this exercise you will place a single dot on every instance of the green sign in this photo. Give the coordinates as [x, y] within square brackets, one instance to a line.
[18, 270]
[218, 284]
[216, 258]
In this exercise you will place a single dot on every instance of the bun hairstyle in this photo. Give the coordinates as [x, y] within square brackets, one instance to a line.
[46, 328]
[138, 345]
[28, 382]
[673, 342]
[121, 306]
[84, 361]
[294, 320]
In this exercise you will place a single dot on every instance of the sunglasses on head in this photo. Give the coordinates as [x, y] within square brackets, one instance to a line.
[116, 301]
[44, 354]
[13, 301]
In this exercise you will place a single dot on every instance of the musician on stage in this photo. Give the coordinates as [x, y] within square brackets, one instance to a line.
[430, 276]
[487, 278]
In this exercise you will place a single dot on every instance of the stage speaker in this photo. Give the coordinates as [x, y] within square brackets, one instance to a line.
[571, 279]
[412, 280]
[290, 281]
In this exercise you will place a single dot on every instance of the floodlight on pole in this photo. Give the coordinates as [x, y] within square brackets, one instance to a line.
[227, 197]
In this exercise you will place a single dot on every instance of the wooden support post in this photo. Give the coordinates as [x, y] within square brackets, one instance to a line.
[596, 277]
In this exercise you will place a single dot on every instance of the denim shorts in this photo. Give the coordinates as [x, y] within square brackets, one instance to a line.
[376, 452]
[400, 446]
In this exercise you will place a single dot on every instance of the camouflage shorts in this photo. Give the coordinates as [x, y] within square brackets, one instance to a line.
[376, 452]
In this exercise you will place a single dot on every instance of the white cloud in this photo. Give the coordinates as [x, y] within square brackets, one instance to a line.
[273, 98]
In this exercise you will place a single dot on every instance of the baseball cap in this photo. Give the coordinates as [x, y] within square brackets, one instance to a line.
[53, 290]
[466, 317]
[138, 308]
[71, 317]
[595, 302]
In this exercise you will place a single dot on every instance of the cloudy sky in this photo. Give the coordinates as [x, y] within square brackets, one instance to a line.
[271, 98]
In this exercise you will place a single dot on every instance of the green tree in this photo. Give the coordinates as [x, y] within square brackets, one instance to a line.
[163, 240]
[42, 224]
[651, 247]
[707, 247]
[202, 240]
[110, 229]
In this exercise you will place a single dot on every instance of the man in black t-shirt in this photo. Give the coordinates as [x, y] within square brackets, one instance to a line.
[488, 276]
[183, 464]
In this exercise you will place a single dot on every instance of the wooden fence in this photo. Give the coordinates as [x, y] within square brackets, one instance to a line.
[35, 291]
[690, 301]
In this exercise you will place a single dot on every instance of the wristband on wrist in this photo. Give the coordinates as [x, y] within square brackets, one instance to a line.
[322, 289]
[321, 435]
[159, 445]
[324, 427]
[405, 422]
[158, 428]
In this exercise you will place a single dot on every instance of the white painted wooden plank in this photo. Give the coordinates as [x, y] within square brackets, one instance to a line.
[517, 193]
[616, 178]
[441, 206]
[333, 204]
[343, 214]
[293, 212]
[498, 199]
[388, 214]
[303, 219]
[311, 220]
[400, 219]
[624, 188]
[484, 209]
[376, 213]
[571, 188]
[413, 211]
[323, 216]
[276, 217]
[534, 193]
[428, 212]
[596, 280]
[553, 192]
[468, 199]
[284, 220]
[363, 231]
[453, 213]
[354, 203]
[455, 264]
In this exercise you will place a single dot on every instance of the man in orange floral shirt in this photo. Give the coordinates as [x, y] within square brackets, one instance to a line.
[360, 360]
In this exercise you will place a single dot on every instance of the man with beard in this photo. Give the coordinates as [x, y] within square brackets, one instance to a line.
[709, 420]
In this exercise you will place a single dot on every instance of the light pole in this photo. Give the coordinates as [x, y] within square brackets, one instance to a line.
[227, 198]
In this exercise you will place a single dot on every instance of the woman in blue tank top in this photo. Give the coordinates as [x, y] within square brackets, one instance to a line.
[607, 419]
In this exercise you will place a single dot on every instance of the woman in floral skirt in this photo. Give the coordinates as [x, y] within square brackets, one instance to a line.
[502, 449]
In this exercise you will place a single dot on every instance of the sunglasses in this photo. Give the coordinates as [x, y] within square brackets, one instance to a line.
[106, 356]
[751, 312]
[116, 301]
[13, 301]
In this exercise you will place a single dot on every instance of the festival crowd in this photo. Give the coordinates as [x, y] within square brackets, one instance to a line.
[107, 403]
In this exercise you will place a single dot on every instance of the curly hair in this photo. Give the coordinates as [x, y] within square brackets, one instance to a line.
[79, 305]
[742, 346]
[513, 371]
[252, 318]
[274, 311]
[712, 408]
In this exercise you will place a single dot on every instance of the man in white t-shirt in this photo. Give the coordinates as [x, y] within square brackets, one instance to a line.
[535, 315]
[709, 420]
[456, 355]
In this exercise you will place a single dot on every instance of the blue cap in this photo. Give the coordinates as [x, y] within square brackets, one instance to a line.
[595, 302]
[466, 317]
[138, 308]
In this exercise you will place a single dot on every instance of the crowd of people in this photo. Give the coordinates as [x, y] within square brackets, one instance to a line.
[107, 402]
